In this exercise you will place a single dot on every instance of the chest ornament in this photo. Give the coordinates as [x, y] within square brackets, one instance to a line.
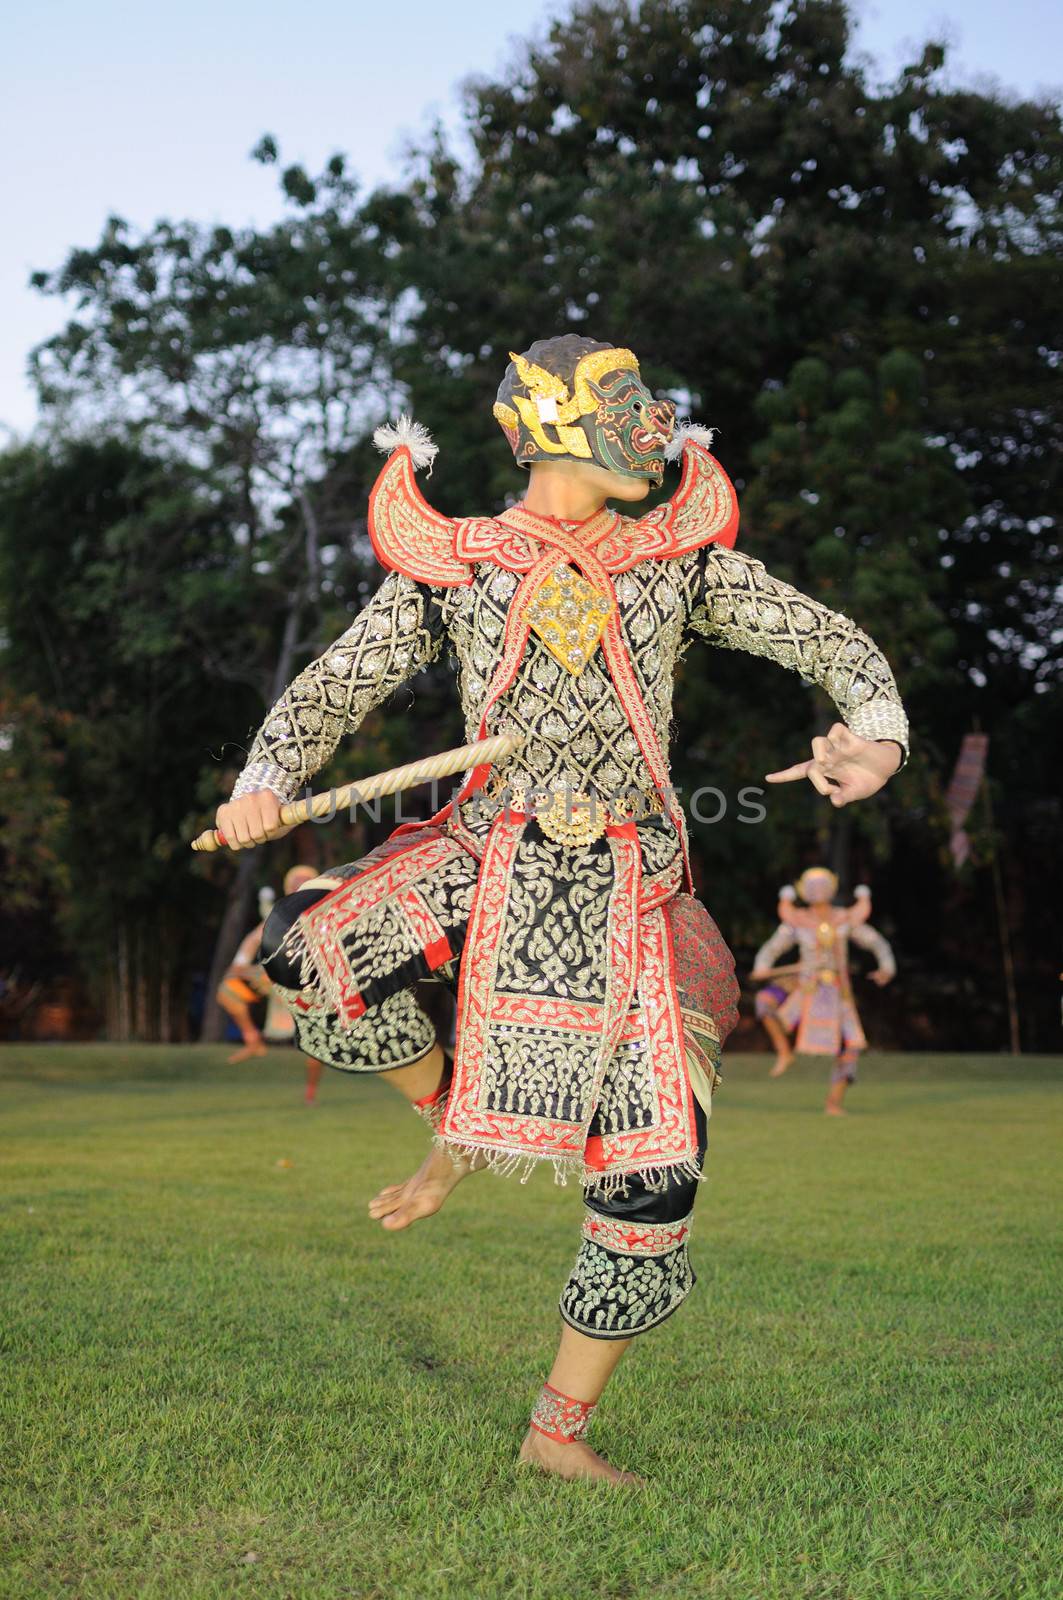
[569, 615]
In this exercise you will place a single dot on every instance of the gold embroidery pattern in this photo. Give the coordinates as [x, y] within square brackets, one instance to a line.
[747, 609]
[570, 616]
[388, 641]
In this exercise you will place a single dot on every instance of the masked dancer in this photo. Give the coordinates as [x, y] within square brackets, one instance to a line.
[593, 990]
[816, 1004]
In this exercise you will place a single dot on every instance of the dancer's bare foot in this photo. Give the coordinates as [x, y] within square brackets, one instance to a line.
[573, 1460]
[246, 1052]
[782, 1062]
[422, 1195]
[835, 1096]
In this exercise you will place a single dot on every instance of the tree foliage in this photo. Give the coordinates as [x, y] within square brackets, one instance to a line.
[116, 583]
[819, 265]
[857, 282]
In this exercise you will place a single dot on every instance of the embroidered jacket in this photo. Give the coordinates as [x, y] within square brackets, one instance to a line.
[565, 636]
[826, 952]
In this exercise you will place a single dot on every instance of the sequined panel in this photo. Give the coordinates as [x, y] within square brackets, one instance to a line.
[576, 732]
[612, 1294]
[395, 1033]
[388, 641]
[560, 1417]
[570, 616]
[745, 608]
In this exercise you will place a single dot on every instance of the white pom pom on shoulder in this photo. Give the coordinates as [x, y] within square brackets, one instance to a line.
[695, 432]
[415, 436]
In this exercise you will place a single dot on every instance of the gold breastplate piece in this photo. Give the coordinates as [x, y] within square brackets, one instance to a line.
[570, 616]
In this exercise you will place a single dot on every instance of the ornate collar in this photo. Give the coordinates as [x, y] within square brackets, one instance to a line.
[411, 537]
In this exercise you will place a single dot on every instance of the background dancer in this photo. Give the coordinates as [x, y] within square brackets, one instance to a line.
[246, 984]
[817, 1001]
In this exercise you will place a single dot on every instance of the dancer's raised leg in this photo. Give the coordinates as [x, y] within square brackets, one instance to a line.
[399, 1204]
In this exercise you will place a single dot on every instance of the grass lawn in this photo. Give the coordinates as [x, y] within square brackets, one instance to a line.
[219, 1379]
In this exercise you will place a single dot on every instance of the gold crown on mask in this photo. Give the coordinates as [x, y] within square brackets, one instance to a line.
[817, 872]
[548, 402]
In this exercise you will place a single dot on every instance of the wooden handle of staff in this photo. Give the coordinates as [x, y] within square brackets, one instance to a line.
[327, 804]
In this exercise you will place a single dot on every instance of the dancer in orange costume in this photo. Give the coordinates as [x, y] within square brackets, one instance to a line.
[817, 1002]
[245, 983]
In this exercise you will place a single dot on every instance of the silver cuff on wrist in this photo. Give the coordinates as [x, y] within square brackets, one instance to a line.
[266, 775]
[881, 720]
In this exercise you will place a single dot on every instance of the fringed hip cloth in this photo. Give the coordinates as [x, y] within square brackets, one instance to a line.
[592, 997]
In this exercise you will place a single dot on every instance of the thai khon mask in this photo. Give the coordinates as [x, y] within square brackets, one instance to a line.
[577, 400]
[817, 885]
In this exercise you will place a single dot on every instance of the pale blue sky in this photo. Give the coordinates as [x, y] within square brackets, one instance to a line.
[115, 106]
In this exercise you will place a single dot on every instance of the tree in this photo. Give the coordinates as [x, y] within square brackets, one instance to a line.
[256, 358]
[721, 187]
[858, 284]
[115, 584]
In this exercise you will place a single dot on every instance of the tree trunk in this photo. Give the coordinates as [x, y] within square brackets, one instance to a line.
[841, 852]
[124, 1029]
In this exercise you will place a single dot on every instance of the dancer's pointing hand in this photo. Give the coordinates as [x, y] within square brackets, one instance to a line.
[845, 767]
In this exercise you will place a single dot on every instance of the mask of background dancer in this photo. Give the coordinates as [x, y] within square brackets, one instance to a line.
[817, 886]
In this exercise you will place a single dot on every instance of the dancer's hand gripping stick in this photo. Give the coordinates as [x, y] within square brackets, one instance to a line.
[444, 765]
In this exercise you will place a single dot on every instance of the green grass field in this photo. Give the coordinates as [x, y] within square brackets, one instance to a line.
[219, 1379]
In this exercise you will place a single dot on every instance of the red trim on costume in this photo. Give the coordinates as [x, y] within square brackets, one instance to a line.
[626, 684]
[326, 921]
[558, 1416]
[514, 645]
[546, 1011]
[703, 510]
[438, 953]
[593, 1153]
[411, 537]
[622, 934]
[625, 1237]
[407, 533]
[427, 926]
[672, 1137]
